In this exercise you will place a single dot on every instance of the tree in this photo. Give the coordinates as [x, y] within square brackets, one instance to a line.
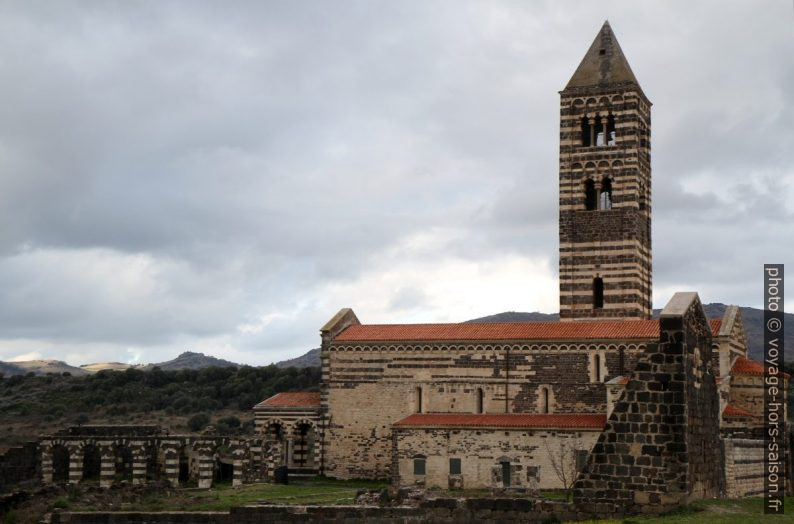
[198, 422]
[567, 457]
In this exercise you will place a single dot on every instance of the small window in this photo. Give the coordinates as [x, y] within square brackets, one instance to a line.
[598, 293]
[505, 473]
[454, 466]
[605, 199]
[581, 459]
[417, 399]
[480, 402]
[544, 400]
[419, 466]
[586, 133]
[590, 199]
[597, 367]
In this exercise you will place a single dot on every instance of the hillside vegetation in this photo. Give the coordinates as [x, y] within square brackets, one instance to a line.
[32, 404]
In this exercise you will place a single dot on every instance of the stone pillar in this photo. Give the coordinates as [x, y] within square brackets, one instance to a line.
[107, 468]
[46, 463]
[237, 474]
[138, 464]
[75, 464]
[171, 453]
[206, 464]
[592, 122]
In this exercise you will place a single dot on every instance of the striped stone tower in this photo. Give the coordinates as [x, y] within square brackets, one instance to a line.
[605, 189]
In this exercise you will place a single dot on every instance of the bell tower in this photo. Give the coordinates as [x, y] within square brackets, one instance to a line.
[605, 189]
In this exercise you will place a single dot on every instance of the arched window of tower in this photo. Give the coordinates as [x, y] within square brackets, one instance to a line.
[598, 293]
[610, 130]
[605, 199]
[590, 199]
[585, 132]
[480, 401]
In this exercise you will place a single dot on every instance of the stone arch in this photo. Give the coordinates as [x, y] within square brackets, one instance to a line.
[304, 438]
[60, 462]
[92, 461]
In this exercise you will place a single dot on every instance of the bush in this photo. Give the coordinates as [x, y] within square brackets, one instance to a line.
[198, 422]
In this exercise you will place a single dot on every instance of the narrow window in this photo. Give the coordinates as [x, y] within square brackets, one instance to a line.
[581, 459]
[597, 367]
[505, 473]
[605, 201]
[590, 199]
[544, 400]
[621, 360]
[418, 399]
[419, 466]
[598, 293]
[642, 197]
[454, 466]
[585, 132]
[480, 401]
[610, 130]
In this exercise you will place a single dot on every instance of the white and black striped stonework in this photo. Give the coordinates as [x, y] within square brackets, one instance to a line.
[605, 189]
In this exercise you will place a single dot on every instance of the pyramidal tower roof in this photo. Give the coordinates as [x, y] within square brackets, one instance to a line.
[604, 64]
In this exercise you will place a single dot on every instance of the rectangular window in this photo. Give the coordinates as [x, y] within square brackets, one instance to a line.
[419, 466]
[454, 466]
[581, 459]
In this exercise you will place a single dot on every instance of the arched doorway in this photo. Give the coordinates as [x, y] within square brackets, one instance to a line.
[92, 462]
[60, 463]
[303, 445]
[123, 460]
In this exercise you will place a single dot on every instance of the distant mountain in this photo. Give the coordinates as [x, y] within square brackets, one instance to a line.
[41, 367]
[307, 360]
[191, 360]
[8, 369]
[115, 366]
[753, 325]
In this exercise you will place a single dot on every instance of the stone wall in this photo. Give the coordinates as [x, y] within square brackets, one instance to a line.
[19, 465]
[368, 387]
[442, 511]
[661, 446]
[744, 467]
[481, 452]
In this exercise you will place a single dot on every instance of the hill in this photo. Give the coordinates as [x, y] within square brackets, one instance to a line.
[307, 360]
[42, 367]
[191, 360]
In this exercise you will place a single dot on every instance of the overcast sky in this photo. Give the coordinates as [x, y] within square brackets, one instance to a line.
[224, 176]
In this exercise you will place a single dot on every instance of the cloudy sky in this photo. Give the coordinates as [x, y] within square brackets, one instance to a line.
[224, 176]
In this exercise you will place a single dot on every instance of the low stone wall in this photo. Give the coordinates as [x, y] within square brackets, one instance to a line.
[744, 467]
[438, 510]
[19, 465]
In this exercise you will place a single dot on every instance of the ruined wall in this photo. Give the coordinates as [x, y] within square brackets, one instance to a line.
[19, 465]
[367, 387]
[481, 451]
[744, 467]
[661, 445]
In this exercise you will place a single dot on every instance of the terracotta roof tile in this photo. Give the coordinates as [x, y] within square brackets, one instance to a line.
[591, 330]
[745, 366]
[732, 411]
[504, 420]
[303, 399]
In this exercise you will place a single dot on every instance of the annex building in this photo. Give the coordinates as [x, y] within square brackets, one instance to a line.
[639, 412]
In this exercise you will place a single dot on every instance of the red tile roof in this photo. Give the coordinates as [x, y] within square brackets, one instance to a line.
[504, 420]
[303, 399]
[600, 329]
[745, 366]
[732, 411]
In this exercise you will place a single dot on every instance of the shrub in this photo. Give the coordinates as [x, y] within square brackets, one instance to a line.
[198, 422]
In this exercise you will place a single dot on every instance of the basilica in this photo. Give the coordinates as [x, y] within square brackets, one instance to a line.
[607, 401]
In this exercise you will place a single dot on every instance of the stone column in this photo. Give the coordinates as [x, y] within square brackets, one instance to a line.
[237, 474]
[206, 463]
[75, 464]
[592, 122]
[138, 464]
[171, 454]
[46, 463]
[107, 468]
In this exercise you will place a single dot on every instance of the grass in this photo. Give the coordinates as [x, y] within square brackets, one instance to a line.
[318, 491]
[737, 511]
